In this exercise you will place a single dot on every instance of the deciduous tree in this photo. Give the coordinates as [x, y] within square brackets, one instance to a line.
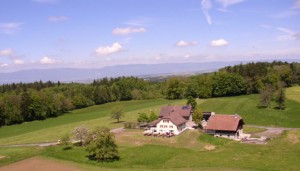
[152, 116]
[143, 118]
[266, 96]
[197, 115]
[80, 134]
[117, 113]
[102, 146]
[175, 88]
[191, 101]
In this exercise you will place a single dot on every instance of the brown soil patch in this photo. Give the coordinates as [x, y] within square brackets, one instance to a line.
[2, 157]
[209, 147]
[37, 164]
[293, 138]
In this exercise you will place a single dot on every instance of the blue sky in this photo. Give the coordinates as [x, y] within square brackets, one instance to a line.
[97, 33]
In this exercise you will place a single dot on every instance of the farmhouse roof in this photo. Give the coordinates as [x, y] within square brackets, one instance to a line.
[153, 123]
[224, 122]
[183, 111]
[175, 118]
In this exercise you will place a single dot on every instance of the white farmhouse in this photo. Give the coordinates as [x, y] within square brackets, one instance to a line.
[172, 119]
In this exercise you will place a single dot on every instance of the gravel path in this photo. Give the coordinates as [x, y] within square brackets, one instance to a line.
[271, 131]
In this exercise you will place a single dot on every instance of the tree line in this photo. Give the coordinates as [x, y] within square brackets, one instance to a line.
[20, 102]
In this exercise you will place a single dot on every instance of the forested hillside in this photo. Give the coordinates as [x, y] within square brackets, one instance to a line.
[37, 101]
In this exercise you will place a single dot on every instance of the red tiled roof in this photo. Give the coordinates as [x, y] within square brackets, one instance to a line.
[175, 118]
[153, 123]
[224, 122]
[183, 111]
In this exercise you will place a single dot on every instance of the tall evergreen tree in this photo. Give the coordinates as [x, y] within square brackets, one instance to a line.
[280, 98]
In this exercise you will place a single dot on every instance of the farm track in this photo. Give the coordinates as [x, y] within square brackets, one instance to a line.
[271, 132]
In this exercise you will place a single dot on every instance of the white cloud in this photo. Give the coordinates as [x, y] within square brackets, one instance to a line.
[128, 30]
[57, 18]
[289, 34]
[206, 6]
[183, 43]
[187, 56]
[18, 62]
[6, 52]
[47, 60]
[10, 28]
[227, 3]
[296, 4]
[108, 50]
[3, 65]
[218, 43]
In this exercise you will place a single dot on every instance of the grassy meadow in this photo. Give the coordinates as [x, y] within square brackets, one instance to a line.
[293, 93]
[247, 107]
[279, 154]
[54, 128]
[190, 150]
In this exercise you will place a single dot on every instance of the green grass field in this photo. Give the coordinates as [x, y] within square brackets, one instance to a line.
[247, 107]
[189, 150]
[293, 93]
[53, 129]
[279, 154]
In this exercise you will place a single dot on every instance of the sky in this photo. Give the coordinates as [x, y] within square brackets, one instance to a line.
[98, 33]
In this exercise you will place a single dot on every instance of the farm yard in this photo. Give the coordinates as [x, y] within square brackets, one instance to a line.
[190, 150]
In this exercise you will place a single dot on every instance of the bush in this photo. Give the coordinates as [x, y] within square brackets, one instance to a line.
[131, 125]
[102, 146]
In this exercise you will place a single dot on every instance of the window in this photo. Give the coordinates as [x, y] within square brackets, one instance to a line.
[161, 126]
[166, 126]
[171, 126]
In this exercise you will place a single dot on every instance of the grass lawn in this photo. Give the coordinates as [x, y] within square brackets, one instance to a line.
[13, 154]
[54, 128]
[293, 93]
[252, 130]
[246, 106]
[279, 154]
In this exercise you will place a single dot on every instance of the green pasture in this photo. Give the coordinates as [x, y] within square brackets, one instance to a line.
[247, 106]
[293, 93]
[281, 153]
[54, 128]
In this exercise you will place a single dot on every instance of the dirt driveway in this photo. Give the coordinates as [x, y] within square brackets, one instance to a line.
[271, 132]
[38, 164]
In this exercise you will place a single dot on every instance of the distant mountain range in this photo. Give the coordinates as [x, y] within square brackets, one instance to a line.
[87, 75]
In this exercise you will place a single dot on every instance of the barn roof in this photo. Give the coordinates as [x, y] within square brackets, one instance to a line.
[224, 122]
